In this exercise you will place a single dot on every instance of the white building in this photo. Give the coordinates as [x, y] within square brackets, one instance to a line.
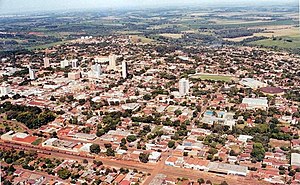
[124, 69]
[252, 83]
[295, 159]
[74, 63]
[256, 103]
[184, 87]
[112, 62]
[64, 63]
[154, 157]
[4, 89]
[95, 72]
[46, 62]
[31, 73]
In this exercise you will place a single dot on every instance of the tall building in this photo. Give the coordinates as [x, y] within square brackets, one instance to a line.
[184, 87]
[112, 62]
[31, 73]
[96, 70]
[124, 69]
[46, 62]
[4, 89]
[74, 63]
[64, 63]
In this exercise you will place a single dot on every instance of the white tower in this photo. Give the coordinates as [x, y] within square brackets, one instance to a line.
[124, 69]
[184, 87]
[97, 70]
[74, 63]
[112, 62]
[46, 62]
[4, 89]
[31, 73]
[64, 63]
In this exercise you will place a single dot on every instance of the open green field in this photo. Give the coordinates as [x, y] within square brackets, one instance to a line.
[137, 38]
[294, 42]
[213, 77]
[47, 45]
[37, 142]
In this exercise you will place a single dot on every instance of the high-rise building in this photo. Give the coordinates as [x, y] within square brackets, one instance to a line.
[74, 63]
[96, 69]
[184, 87]
[4, 89]
[46, 62]
[31, 73]
[112, 62]
[124, 69]
[64, 63]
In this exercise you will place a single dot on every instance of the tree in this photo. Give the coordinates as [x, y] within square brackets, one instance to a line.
[144, 157]
[258, 151]
[52, 98]
[171, 144]
[201, 181]
[110, 152]
[63, 173]
[95, 148]
[131, 138]
[147, 97]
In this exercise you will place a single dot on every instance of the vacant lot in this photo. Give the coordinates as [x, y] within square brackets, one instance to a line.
[279, 143]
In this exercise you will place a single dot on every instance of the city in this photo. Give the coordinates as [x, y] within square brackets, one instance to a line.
[156, 105]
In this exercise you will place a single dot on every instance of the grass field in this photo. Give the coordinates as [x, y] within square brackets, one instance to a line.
[213, 77]
[137, 38]
[37, 142]
[280, 43]
[46, 45]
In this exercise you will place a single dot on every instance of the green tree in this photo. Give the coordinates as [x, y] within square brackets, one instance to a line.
[258, 151]
[171, 144]
[63, 173]
[95, 148]
[131, 138]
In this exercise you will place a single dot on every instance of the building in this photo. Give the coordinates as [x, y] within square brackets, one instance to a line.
[228, 169]
[31, 73]
[184, 87]
[64, 63]
[46, 62]
[96, 71]
[74, 76]
[272, 91]
[295, 159]
[112, 62]
[124, 69]
[74, 63]
[252, 83]
[4, 89]
[256, 103]
[154, 157]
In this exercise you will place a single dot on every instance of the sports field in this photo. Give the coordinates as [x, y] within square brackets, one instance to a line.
[213, 77]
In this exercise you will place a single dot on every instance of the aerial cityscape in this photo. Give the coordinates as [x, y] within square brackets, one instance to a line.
[149, 93]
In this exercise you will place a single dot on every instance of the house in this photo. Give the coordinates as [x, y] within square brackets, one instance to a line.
[154, 157]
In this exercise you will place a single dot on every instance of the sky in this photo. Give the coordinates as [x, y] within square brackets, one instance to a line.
[20, 6]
